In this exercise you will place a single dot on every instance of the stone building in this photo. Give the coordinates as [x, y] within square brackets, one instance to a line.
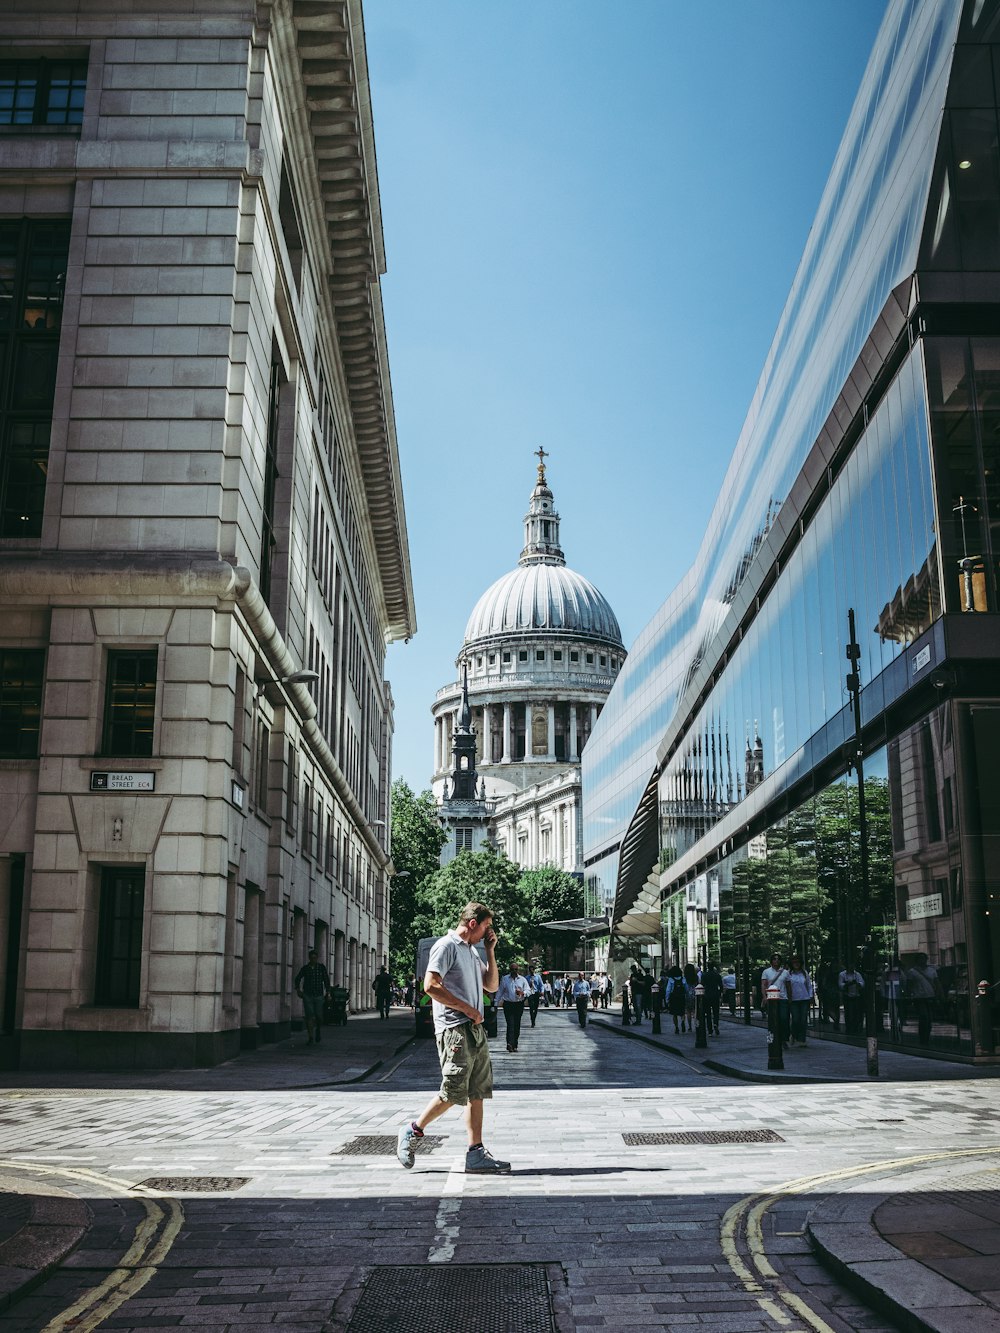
[204, 548]
[540, 653]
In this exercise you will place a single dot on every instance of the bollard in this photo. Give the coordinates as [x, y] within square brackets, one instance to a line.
[982, 1020]
[775, 1059]
[656, 1009]
[701, 1037]
[626, 1011]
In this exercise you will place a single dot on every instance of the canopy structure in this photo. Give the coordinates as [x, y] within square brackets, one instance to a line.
[586, 927]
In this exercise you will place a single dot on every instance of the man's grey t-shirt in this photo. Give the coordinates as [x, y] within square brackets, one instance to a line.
[461, 971]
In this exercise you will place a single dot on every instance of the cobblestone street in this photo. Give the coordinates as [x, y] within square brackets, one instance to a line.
[646, 1235]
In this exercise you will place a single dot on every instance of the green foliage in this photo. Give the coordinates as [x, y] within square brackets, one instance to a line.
[804, 885]
[417, 839]
[552, 895]
[484, 877]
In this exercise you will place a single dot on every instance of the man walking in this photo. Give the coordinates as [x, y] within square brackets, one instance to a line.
[581, 995]
[512, 994]
[534, 995]
[312, 985]
[455, 980]
[382, 986]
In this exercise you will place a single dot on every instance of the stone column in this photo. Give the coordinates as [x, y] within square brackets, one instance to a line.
[505, 758]
[573, 750]
[486, 734]
[552, 731]
[529, 745]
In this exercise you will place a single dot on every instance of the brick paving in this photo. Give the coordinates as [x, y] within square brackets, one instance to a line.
[632, 1234]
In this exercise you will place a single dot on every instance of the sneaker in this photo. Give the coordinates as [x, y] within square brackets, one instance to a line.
[405, 1140]
[481, 1162]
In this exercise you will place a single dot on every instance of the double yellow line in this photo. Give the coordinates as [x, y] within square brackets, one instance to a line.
[745, 1219]
[151, 1243]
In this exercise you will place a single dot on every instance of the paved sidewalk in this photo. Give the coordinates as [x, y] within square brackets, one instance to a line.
[925, 1255]
[741, 1052]
[37, 1232]
[345, 1055]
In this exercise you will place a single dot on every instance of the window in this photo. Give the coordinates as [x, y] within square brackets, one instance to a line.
[574, 657]
[130, 703]
[493, 659]
[20, 701]
[33, 256]
[268, 541]
[463, 840]
[42, 92]
[262, 751]
[539, 654]
[506, 657]
[557, 656]
[590, 659]
[604, 661]
[119, 936]
[522, 656]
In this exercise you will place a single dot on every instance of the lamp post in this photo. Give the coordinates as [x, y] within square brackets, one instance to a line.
[856, 758]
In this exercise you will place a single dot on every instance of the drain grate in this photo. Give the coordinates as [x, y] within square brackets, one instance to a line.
[193, 1184]
[384, 1145]
[703, 1136]
[492, 1298]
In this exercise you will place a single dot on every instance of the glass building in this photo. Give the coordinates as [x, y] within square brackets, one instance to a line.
[720, 801]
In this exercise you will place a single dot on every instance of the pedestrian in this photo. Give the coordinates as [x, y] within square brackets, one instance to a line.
[382, 986]
[851, 985]
[581, 997]
[512, 994]
[567, 991]
[635, 993]
[410, 994]
[677, 998]
[605, 990]
[690, 994]
[712, 981]
[729, 990]
[922, 989]
[800, 993]
[777, 975]
[534, 995]
[828, 990]
[312, 985]
[546, 992]
[455, 980]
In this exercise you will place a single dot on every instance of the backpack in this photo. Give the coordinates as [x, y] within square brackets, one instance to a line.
[677, 998]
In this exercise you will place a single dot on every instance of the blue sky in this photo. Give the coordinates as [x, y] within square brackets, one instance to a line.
[593, 214]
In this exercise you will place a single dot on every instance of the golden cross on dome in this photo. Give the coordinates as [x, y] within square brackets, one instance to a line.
[541, 455]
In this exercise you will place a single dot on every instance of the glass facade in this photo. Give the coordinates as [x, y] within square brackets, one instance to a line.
[865, 479]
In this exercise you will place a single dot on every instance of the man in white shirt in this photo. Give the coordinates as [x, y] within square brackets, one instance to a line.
[777, 975]
[455, 980]
[513, 991]
[581, 995]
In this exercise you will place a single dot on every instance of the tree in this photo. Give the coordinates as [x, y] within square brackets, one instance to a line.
[485, 877]
[417, 839]
[551, 895]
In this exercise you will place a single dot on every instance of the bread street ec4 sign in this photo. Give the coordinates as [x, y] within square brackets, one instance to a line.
[122, 781]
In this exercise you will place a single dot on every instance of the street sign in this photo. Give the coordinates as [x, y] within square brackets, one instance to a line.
[122, 781]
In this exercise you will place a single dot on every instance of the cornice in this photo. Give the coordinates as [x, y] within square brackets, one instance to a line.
[330, 46]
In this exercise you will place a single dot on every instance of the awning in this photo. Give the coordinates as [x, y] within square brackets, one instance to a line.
[593, 927]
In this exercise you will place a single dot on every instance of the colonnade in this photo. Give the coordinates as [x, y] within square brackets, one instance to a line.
[484, 716]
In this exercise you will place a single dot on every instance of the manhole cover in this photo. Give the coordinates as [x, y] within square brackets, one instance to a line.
[703, 1136]
[492, 1298]
[384, 1145]
[193, 1184]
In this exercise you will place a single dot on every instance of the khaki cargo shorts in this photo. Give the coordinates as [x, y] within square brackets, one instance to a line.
[466, 1068]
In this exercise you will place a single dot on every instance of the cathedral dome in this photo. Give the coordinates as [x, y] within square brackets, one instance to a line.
[545, 597]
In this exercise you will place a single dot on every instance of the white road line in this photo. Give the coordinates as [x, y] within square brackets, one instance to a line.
[446, 1222]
